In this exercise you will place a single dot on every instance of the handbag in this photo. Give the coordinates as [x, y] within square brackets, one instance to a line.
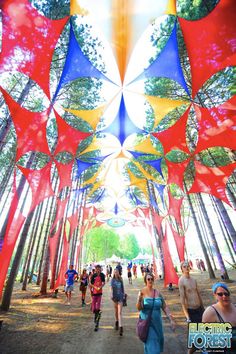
[142, 327]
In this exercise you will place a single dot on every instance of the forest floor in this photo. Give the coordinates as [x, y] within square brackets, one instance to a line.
[48, 325]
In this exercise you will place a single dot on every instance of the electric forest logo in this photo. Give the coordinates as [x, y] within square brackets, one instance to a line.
[204, 336]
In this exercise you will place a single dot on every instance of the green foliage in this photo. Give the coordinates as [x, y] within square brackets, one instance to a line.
[129, 247]
[189, 175]
[218, 89]
[100, 243]
[177, 156]
[216, 156]
[195, 9]
[64, 157]
[36, 160]
[24, 90]
[176, 191]
[54, 9]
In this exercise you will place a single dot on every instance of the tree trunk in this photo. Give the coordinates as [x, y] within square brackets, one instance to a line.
[51, 215]
[205, 235]
[209, 267]
[224, 273]
[38, 243]
[43, 289]
[226, 220]
[32, 236]
[11, 279]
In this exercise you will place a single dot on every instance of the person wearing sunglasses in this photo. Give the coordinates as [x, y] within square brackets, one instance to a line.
[222, 311]
[150, 299]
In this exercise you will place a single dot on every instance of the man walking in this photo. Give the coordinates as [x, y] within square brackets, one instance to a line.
[190, 297]
[70, 276]
[96, 284]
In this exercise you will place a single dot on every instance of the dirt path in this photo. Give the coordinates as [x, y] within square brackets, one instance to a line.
[48, 325]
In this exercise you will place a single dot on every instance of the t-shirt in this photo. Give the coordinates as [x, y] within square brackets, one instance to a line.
[97, 281]
[70, 276]
[117, 289]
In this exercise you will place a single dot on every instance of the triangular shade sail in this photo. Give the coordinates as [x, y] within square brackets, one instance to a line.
[40, 183]
[174, 137]
[28, 37]
[77, 64]
[92, 116]
[122, 126]
[65, 131]
[30, 127]
[216, 127]
[167, 64]
[210, 42]
[212, 180]
[82, 166]
[163, 106]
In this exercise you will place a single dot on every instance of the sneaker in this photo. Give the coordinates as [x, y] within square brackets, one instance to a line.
[116, 326]
[121, 331]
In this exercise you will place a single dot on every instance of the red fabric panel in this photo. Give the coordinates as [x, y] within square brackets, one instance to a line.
[65, 131]
[61, 205]
[15, 222]
[180, 243]
[64, 172]
[170, 273]
[27, 38]
[63, 267]
[210, 42]
[212, 180]
[176, 172]
[30, 127]
[217, 127]
[157, 220]
[174, 137]
[74, 221]
[86, 211]
[40, 183]
[175, 207]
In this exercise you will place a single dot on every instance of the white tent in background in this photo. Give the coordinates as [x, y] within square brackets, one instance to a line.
[113, 259]
[143, 257]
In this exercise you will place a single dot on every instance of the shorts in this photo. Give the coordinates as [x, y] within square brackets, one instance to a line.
[195, 315]
[69, 288]
[129, 275]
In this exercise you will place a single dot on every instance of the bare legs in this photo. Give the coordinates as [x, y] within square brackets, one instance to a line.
[118, 312]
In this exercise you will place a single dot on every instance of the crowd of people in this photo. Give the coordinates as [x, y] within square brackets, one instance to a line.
[150, 301]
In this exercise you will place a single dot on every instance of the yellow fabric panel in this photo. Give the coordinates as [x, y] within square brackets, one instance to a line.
[91, 180]
[76, 9]
[162, 106]
[95, 145]
[140, 183]
[90, 116]
[147, 147]
[121, 32]
[94, 188]
[171, 7]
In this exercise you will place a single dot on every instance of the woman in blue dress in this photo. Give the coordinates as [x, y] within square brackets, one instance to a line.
[117, 296]
[149, 297]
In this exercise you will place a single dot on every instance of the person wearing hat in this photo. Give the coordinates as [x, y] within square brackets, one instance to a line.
[222, 311]
[97, 282]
